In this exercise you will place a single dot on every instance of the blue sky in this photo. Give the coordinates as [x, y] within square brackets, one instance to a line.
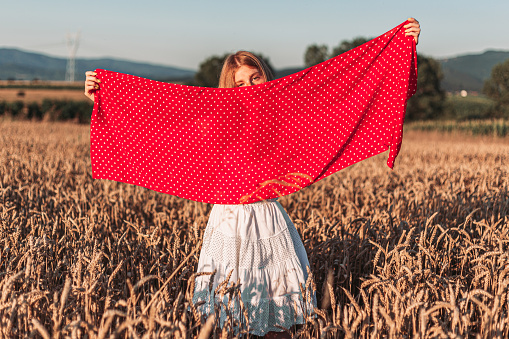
[184, 33]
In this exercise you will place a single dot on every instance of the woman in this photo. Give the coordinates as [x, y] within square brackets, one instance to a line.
[256, 244]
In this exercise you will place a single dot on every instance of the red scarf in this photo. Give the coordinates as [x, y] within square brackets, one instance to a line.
[241, 145]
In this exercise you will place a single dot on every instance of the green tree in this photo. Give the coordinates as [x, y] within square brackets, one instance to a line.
[15, 108]
[428, 101]
[34, 111]
[346, 45]
[3, 107]
[316, 54]
[210, 70]
[497, 88]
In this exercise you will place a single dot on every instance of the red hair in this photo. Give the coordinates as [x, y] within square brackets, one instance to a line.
[242, 58]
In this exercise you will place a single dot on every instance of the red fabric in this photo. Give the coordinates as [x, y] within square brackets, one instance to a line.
[241, 145]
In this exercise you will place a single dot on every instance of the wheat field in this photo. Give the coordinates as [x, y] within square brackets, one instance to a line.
[418, 252]
[29, 95]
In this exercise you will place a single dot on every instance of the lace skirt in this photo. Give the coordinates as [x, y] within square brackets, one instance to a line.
[257, 246]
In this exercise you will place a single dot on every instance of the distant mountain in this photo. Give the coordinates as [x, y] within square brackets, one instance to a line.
[466, 72]
[461, 72]
[22, 65]
[280, 73]
[469, 71]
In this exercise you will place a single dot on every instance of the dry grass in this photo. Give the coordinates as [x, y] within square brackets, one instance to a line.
[418, 252]
[39, 94]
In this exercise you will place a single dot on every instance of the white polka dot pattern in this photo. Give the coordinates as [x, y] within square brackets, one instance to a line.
[241, 145]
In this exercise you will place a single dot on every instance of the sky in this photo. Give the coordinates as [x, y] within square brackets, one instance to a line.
[184, 33]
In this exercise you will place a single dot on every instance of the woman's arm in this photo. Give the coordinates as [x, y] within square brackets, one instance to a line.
[413, 29]
[91, 84]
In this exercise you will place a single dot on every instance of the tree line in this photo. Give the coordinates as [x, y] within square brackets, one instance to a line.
[428, 103]
[48, 110]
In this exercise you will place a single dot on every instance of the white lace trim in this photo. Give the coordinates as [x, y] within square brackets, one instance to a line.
[263, 316]
[286, 308]
[246, 253]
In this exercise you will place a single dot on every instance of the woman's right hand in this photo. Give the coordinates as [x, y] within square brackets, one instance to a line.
[91, 84]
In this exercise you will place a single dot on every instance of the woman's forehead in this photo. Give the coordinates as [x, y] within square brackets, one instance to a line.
[246, 71]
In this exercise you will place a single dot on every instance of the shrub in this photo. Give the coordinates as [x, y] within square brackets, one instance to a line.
[34, 111]
[15, 108]
[3, 107]
[62, 110]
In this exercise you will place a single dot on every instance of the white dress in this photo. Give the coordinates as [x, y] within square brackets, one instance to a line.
[262, 249]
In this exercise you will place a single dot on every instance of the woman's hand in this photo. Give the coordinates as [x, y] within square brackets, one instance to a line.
[91, 84]
[413, 29]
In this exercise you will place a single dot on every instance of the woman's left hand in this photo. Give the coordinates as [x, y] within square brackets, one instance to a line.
[413, 29]
[91, 84]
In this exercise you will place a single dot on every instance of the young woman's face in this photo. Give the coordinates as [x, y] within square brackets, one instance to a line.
[248, 76]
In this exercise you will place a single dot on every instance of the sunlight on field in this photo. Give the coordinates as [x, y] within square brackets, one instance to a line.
[38, 95]
[422, 250]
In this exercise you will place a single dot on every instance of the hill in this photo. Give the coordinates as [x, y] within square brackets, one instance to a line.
[280, 73]
[469, 71]
[23, 65]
